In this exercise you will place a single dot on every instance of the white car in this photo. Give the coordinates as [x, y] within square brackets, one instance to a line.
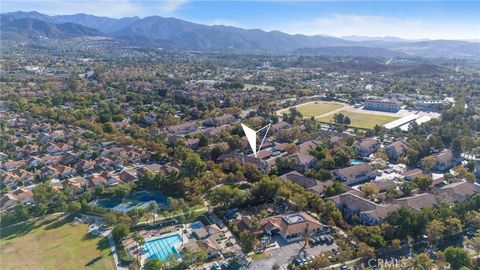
[216, 266]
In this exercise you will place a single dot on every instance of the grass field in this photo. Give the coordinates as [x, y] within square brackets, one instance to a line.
[362, 120]
[249, 87]
[316, 108]
[54, 243]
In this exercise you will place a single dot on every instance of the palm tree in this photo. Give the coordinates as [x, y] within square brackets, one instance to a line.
[153, 208]
[140, 241]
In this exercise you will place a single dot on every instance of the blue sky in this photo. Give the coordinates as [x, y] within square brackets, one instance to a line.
[405, 19]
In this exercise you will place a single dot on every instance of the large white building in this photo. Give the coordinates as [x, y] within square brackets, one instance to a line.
[383, 105]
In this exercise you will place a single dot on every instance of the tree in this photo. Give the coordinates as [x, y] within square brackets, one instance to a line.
[392, 193]
[203, 141]
[291, 149]
[319, 153]
[74, 207]
[152, 207]
[435, 230]
[371, 235]
[43, 193]
[247, 241]
[252, 173]
[284, 165]
[370, 190]
[407, 188]
[299, 200]
[121, 190]
[120, 231]
[456, 257]
[140, 241]
[265, 189]
[334, 189]
[423, 182]
[153, 264]
[194, 255]
[110, 219]
[21, 212]
[380, 154]
[226, 196]
[320, 261]
[365, 251]
[327, 163]
[472, 219]
[475, 241]
[429, 162]
[72, 83]
[453, 226]
[396, 243]
[463, 172]
[193, 166]
[108, 127]
[342, 155]
[422, 262]
[457, 147]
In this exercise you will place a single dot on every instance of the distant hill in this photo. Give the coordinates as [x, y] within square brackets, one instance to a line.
[180, 33]
[104, 24]
[25, 28]
[349, 51]
[441, 48]
[176, 33]
[387, 39]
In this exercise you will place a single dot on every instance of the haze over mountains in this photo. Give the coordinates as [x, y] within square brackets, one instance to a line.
[175, 33]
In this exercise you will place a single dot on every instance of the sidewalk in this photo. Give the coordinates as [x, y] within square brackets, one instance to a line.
[114, 252]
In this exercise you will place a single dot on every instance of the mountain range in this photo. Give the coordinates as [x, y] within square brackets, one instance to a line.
[175, 33]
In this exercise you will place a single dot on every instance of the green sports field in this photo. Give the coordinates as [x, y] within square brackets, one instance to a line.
[54, 243]
[317, 108]
[362, 120]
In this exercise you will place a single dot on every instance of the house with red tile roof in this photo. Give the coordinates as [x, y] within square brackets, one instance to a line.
[291, 227]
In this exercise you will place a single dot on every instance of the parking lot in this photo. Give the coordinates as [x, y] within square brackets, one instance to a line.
[286, 253]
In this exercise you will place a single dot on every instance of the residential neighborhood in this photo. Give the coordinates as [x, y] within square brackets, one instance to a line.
[126, 147]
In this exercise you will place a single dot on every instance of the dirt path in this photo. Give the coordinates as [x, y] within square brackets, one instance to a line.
[346, 108]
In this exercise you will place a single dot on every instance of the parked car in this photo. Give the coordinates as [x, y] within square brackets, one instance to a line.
[216, 266]
[329, 239]
[322, 239]
[470, 233]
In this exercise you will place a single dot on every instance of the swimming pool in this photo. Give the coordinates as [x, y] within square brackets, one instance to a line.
[161, 248]
[356, 161]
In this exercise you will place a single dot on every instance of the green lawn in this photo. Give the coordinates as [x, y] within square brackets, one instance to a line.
[362, 120]
[316, 108]
[54, 243]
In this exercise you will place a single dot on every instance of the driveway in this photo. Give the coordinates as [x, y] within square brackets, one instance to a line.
[282, 255]
[320, 249]
[286, 252]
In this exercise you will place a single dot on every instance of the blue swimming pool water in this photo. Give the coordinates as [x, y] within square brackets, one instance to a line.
[161, 248]
[356, 161]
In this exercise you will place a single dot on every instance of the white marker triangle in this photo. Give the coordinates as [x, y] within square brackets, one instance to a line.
[252, 137]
